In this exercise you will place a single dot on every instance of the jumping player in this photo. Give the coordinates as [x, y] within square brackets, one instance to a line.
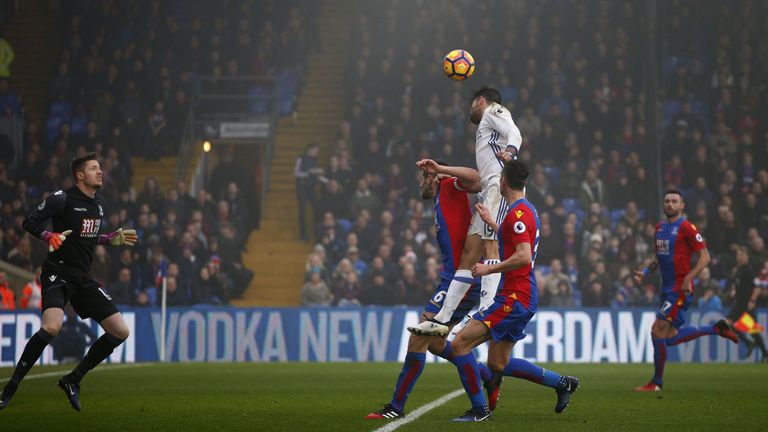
[677, 240]
[515, 303]
[76, 216]
[452, 219]
[496, 140]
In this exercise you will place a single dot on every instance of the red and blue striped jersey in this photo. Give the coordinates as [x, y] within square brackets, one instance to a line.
[675, 245]
[520, 225]
[452, 219]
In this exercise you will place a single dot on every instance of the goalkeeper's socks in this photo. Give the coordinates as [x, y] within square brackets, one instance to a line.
[99, 351]
[32, 352]
[469, 374]
[659, 360]
[413, 366]
[524, 369]
[690, 333]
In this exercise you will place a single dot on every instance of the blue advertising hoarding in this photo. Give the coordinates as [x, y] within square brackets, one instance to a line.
[371, 334]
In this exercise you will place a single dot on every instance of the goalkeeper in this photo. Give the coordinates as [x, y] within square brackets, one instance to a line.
[76, 215]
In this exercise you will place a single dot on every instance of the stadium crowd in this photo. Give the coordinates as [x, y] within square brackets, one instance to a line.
[571, 74]
[122, 88]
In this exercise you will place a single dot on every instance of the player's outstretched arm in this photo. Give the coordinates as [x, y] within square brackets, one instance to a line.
[470, 178]
[520, 258]
[120, 237]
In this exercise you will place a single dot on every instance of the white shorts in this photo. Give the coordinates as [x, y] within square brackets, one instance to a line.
[491, 197]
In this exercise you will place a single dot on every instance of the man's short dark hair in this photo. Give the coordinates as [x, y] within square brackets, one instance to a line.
[78, 163]
[676, 192]
[516, 174]
[489, 93]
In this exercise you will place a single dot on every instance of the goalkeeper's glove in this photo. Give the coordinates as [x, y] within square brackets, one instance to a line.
[120, 237]
[55, 239]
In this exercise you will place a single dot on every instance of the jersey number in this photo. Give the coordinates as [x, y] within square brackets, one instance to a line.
[438, 298]
[665, 307]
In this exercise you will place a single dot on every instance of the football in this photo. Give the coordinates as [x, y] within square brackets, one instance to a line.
[458, 65]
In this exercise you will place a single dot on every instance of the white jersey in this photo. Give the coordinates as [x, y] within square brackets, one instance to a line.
[495, 132]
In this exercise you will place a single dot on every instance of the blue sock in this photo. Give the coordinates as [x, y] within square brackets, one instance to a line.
[690, 333]
[470, 378]
[446, 353]
[412, 368]
[524, 369]
[659, 359]
[485, 373]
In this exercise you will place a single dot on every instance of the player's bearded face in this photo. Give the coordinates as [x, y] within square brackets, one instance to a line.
[93, 175]
[427, 191]
[476, 110]
[673, 206]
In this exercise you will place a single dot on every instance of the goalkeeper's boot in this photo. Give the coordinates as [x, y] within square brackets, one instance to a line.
[8, 392]
[474, 415]
[386, 412]
[429, 327]
[564, 393]
[72, 391]
[724, 330]
[650, 387]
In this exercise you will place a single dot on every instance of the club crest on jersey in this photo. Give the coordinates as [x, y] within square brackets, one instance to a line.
[90, 227]
[519, 227]
[674, 231]
[519, 213]
[507, 308]
[101, 211]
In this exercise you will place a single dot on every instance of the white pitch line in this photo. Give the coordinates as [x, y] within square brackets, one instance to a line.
[64, 372]
[419, 412]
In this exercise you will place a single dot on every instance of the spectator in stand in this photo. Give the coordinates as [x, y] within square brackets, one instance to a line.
[307, 172]
[7, 298]
[31, 294]
[348, 290]
[591, 190]
[122, 291]
[315, 291]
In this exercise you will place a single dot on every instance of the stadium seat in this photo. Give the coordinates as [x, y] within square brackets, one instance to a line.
[61, 109]
[671, 109]
[577, 297]
[79, 125]
[616, 216]
[258, 105]
[570, 204]
[151, 295]
[52, 126]
[345, 226]
[553, 173]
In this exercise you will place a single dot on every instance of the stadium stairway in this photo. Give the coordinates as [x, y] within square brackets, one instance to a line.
[33, 35]
[274, 252]
[163, 170]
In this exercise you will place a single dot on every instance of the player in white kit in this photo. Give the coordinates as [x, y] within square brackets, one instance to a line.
[497, 139]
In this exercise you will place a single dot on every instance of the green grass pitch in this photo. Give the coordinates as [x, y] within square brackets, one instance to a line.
[336, 397]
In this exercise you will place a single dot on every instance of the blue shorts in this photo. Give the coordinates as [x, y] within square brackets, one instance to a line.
[469, 301]
[506, 318]
[673, 307]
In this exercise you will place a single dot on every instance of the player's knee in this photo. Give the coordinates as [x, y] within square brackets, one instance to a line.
[497, 365]
[52, 328]
[120, 332]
